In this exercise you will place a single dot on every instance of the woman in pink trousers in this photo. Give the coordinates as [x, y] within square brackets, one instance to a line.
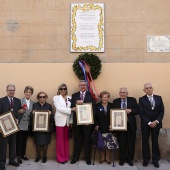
[63, 119]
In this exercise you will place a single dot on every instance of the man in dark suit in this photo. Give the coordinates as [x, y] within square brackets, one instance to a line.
[82, 132]
[151, 111]
[9, 103]
[127, 138]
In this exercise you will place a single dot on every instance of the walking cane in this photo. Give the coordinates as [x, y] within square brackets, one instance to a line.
[94, 154]
[113, 157]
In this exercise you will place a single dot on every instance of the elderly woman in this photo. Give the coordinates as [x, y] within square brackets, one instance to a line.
[102, 122]
[63, 119]
[22, 135]
[42, 139]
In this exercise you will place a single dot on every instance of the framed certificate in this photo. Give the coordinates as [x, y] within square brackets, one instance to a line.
[41, 120]
[118, 119]
[8, 124]
[84, 114]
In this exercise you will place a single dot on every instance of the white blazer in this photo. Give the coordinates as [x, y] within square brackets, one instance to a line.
[63, 114]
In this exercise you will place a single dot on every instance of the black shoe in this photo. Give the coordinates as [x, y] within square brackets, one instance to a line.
[88, 162]
[156, 164]
[24, 158]
[19, 160]
[145, 163]
[37, 159]
[2, 167]
[13, 163]
[130, 163]
[62, 162]
[121, 163]
[74, 160]
[44, 159]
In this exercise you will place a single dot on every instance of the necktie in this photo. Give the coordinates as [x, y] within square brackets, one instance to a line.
[82, 96]
[151, 101]
[11, 104]
[124, 104]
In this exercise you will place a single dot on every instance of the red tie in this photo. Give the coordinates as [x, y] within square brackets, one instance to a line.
[82, 96]
[11, 103]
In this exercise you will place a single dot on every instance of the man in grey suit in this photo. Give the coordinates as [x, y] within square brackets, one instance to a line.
[151, 111]
[9, 103]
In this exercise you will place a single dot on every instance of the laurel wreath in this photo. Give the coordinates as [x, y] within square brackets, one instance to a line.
[92, 61]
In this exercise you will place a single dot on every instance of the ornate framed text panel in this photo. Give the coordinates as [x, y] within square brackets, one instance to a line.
[84, 114]
[8, 124]
[118, 119]
[41, 120]
[87, 27]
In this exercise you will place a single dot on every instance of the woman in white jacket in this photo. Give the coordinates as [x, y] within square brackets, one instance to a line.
[63, 119]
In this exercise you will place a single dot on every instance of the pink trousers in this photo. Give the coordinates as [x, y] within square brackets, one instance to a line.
[62, 143]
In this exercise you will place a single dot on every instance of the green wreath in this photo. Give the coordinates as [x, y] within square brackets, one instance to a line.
[92, 61]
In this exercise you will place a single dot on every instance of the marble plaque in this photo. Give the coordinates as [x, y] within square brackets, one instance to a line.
[87, 27]
[158, 43]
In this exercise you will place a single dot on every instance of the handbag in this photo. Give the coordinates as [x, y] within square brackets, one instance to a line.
[93, 137]
[70, 133]
[52, 127]
[111, 141]
[100, 142]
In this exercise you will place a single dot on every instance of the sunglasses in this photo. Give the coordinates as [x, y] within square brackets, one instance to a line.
[41, 97]
[63, 88]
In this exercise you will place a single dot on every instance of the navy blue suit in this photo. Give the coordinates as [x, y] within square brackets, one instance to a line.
[147, 115]
[11, 140]
[127, 138]
[82, 132]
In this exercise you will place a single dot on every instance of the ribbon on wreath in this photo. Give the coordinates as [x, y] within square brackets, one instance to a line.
[88, 78]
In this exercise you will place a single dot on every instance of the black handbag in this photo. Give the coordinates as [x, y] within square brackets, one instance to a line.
[70, 133]
[52, 127]
[93, 137]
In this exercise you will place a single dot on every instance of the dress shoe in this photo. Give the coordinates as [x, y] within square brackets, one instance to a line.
[24, 158]
[121, 163]
[13, 163]
[37, 159]
[130, 163]
[19, 160]
[44, 159]
[108, 162]
[145, 163]
[88, 162]
[2, 167]
[101, 161]
[156, 164]
[74, 160]
[62, 162]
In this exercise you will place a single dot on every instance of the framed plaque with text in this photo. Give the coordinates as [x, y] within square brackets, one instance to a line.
[87, 27]
[8, 124]
[118, 119]
[84, 114]
[41, 120]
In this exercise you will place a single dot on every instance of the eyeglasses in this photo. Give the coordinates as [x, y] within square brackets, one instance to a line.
[63, 88]
[41, 97]
[11, 90]
[82, 85]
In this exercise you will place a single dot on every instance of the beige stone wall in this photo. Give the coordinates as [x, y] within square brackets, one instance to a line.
[46, 77]
[39, 30]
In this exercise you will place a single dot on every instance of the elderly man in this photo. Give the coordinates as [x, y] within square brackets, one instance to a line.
[9, 103]
[127, 138]
[151, 111]
[82, 132]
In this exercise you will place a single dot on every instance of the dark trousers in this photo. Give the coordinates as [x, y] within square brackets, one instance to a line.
[21, 142]
[81, 138]
[11, 141]
[126, 141]
[154, 132]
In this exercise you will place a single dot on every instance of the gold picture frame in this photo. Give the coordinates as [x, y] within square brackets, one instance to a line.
[118, 119]
[8, 124]
[84, 114]
[41, 120]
